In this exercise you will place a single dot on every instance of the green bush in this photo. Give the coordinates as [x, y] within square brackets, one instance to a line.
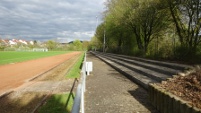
[2, 48]
[9, 49]
[165, 51]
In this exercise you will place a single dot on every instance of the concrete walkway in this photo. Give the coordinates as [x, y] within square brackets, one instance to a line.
[108, 91]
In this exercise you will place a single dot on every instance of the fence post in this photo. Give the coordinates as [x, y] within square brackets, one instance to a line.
[76, 105]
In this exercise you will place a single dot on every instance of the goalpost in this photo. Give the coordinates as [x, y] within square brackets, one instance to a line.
[40, 49]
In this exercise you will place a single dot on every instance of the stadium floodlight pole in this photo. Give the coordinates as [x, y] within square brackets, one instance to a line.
[96, 22]
[104, 37]
[104, 42]
[96, 27]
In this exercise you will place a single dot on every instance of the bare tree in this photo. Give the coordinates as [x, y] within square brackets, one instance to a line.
[186, 15]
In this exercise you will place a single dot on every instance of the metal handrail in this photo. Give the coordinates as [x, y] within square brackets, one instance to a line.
[79, 97]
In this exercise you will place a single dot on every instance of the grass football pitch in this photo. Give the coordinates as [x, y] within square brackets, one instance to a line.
[9, 57]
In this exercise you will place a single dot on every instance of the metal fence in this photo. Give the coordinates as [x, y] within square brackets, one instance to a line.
[78, 104]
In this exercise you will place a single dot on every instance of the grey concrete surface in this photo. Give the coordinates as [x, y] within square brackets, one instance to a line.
[108, 91]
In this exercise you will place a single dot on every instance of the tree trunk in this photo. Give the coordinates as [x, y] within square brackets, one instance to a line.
[178, 28]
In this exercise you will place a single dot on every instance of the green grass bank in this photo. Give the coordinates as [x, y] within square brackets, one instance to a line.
[75, 70]
[57, 104]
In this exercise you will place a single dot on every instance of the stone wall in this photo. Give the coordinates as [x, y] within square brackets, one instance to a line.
[165, 102]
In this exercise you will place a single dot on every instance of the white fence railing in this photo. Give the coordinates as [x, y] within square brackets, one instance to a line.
[78, 104]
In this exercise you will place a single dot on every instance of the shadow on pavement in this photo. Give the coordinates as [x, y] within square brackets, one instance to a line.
[19, 105]
[71, 92]
[141, 96]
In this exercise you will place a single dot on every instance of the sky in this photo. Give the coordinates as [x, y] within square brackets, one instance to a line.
[42, 20]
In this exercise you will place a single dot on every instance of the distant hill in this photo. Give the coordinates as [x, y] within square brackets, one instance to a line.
[73, 41]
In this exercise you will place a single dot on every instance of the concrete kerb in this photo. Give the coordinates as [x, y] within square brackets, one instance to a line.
[6, 93]
[33, 78]
[166, 102]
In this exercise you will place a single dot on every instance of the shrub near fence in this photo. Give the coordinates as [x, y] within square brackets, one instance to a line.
[9, 49]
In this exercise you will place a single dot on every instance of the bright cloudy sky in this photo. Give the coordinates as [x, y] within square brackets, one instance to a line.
[61, 20]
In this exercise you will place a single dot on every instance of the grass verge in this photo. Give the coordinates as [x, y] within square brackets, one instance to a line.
[57, 104]
[75, 70]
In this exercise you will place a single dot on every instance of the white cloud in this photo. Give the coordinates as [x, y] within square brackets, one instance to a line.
[49, 19]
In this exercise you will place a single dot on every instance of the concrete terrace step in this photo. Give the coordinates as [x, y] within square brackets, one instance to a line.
[141, 70]
[160, 69]
[132, 75]
[160, 63]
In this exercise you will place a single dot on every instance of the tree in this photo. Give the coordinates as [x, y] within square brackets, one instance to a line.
[85, 45]
[95, 44]
[51, 44]
[145, 18]
[187, 19]
[119, 37]
[77, 45]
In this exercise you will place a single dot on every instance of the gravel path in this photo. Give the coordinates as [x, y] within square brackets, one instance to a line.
[108, 91]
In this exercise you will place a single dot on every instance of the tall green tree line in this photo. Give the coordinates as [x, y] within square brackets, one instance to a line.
[133, 26]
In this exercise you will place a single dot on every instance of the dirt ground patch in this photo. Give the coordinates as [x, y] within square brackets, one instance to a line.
[30, 94]
[187, 87]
